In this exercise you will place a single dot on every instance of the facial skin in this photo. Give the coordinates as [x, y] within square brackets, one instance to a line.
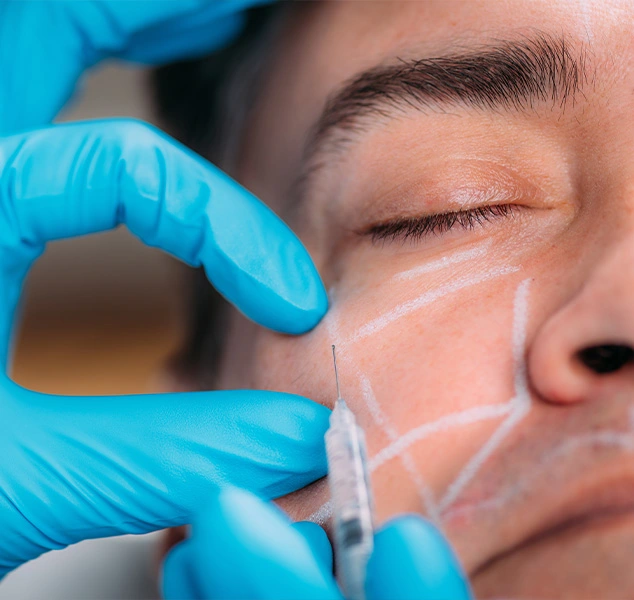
[470, 337]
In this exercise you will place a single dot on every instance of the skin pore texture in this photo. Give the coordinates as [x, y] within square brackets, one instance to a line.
[458, 348]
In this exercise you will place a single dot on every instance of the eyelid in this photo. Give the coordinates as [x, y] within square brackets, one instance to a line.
[418, 228]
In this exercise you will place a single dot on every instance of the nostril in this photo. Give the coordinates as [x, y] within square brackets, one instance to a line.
[606, 358]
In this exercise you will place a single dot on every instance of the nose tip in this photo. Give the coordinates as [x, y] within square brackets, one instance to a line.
[585, 349]
[569, 364]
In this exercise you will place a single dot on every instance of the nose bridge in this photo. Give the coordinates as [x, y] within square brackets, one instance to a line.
[609, 283]
[607, 293]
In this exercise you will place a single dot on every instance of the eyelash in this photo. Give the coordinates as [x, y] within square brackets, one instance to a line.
[417, 228]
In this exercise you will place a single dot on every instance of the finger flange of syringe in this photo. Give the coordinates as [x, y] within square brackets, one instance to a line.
[351, 496]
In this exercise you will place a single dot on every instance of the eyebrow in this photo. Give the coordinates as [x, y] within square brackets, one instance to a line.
[517, 75]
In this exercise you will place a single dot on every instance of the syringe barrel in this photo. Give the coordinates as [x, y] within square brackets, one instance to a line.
[352, 500]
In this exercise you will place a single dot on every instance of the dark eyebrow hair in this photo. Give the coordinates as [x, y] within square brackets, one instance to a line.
[515, 75]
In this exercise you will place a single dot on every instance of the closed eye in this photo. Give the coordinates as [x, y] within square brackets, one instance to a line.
[417, 228]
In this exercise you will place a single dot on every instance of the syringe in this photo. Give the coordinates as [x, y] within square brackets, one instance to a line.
[351, 497]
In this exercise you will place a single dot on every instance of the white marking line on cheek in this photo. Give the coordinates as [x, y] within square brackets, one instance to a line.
[606, 439]
[322, 514]
[451, 421]
[520, 404]
[469, 416]
[427, 298]
[381, 419]
[445, 261]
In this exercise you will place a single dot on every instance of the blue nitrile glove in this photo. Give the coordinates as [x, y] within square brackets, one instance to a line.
[45, 45]
[76, 468]
[242, 548]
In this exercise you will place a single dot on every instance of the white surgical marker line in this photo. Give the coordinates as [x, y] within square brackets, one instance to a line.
[520, 323]
[445, 261]
[399, 446]
[465, 417]
[381, 419]
[520, 403]
[476, 462]
[427, 298]
[322, 514]
[424, 491]
[606, 439]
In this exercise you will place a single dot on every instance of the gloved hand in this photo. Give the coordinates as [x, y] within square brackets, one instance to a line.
[242, 547]
[46, 45]
[77, 468]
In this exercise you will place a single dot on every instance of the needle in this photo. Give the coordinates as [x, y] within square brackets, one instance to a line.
[334, 360]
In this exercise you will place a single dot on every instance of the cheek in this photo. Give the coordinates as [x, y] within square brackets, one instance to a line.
[418, 385]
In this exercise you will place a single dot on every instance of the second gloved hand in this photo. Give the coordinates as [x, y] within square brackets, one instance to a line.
[242, 547]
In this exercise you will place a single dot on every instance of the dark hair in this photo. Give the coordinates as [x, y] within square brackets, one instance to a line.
[206, 104]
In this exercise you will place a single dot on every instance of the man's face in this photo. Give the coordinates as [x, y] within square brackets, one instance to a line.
[469, 203]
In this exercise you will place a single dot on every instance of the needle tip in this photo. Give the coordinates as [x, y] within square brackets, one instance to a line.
[334, 360]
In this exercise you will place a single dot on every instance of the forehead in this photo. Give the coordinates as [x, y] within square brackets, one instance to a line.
[324, 44]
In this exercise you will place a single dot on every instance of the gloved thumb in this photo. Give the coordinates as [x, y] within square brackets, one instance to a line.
[413, 561]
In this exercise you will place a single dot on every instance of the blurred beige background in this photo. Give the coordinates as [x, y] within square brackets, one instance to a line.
[101, 312]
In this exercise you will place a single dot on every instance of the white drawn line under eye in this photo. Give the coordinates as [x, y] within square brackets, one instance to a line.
[401, 310]
[445, 261]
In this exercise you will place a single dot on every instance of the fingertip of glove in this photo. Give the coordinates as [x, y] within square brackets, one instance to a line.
[232, 512]
[177, 581]
[256, 261]
[310, 311]
[294, 306]
[318, 541]
[413, 559]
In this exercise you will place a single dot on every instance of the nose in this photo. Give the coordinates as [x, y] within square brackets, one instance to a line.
[586, 348]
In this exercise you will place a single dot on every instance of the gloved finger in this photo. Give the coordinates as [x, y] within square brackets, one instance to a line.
[318, 541]
[45, 46]
[138, 31]
[178, 575]
[179, 579]
[95, 467]
[182, 38]
[412, 560]
[81, 178]
[242, 547]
